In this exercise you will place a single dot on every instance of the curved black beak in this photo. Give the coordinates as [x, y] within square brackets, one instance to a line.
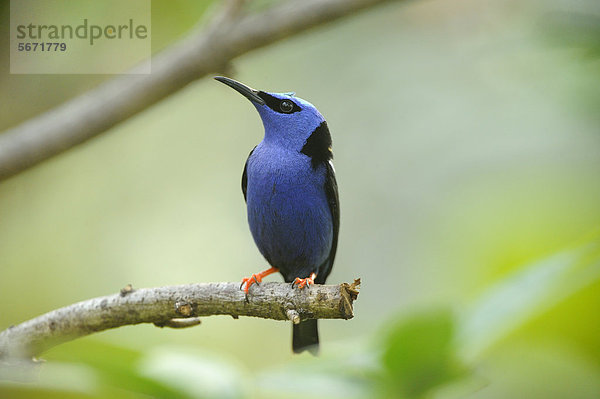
[241, 88]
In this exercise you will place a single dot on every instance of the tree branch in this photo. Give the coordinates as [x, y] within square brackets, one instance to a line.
[203, 51]
[177, 307]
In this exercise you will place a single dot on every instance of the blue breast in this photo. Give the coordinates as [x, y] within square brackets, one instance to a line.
[288, 212]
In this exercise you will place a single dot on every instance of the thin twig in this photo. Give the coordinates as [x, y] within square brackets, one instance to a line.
[180, 323]
[230, 35]
[177, 307]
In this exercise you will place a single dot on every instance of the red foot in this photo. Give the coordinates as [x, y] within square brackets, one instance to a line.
[304, 282]
[256, 278]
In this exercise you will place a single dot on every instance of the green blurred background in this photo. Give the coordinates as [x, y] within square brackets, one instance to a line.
[467, 148]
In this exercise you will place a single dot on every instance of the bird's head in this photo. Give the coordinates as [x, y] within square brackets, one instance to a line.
[288, 120]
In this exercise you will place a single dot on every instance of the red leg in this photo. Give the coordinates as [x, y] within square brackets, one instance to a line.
[304, 282]
[256, 278]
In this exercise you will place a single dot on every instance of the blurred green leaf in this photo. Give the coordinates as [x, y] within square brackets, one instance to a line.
[575, 27]
[419, 354]
[115, 367]
[194, 373]
[26, 379]
[515, 300]
[343, 370]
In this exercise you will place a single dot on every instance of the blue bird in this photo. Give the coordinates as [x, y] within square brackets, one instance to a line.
[291, 196]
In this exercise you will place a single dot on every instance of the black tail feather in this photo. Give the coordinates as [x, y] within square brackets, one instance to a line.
[305, 337]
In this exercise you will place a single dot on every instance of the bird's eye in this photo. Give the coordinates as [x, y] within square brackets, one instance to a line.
[286, 106]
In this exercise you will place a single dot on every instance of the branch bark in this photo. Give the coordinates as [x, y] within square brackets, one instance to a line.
[203, 51]
[177, 307]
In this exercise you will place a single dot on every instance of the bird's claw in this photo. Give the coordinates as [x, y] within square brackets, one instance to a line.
[304, 282]
[254, 279]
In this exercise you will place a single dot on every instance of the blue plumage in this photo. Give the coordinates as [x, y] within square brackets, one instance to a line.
[288, 211]
[291, 194]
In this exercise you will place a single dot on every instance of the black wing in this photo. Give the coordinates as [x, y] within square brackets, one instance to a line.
[245, 175]
[331, 192]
